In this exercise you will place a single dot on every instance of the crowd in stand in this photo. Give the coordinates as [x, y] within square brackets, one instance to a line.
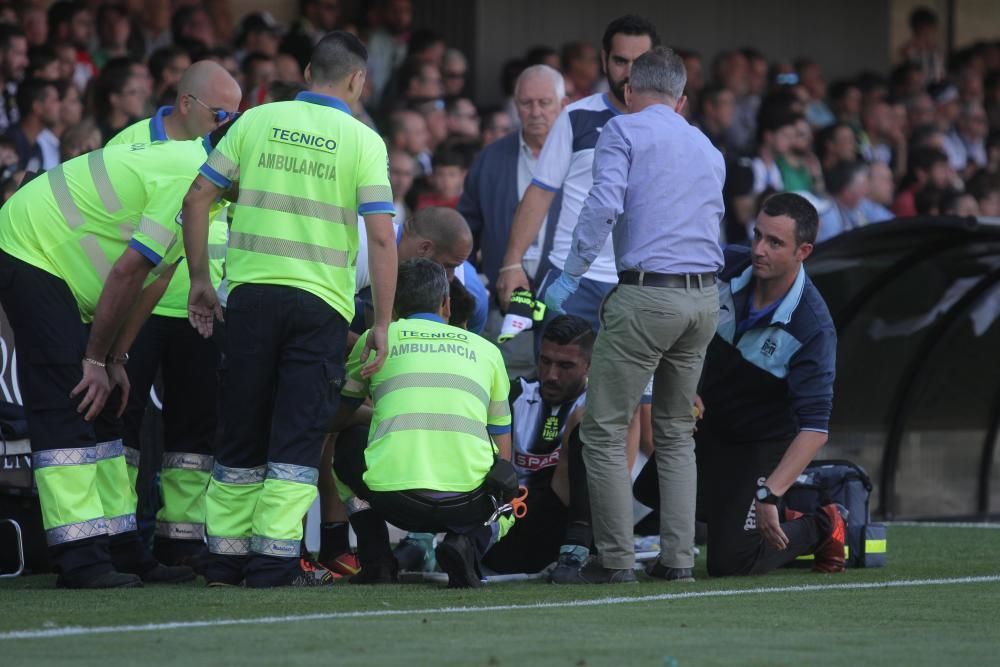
[922, 139]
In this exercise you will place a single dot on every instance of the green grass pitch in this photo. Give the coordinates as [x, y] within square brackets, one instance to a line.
[789, 618]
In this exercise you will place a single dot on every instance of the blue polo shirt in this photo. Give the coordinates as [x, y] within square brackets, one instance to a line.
[768, 374]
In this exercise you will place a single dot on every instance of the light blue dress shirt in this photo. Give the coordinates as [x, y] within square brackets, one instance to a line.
[658, 191]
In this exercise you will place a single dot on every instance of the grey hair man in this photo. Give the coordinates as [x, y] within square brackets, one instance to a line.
[504, 169]
[660, 318]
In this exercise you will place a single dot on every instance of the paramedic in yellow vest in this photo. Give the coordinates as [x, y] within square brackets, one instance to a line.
[306, 169]
[207, 97]
[77, 245]
[440, 420]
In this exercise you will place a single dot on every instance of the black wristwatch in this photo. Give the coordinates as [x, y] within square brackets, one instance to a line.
[764, 495]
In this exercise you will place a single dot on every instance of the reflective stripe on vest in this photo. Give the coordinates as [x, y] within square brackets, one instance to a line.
[273, 201]
[371, 194]
[153, 230]
[98, 260]
[64, 199]
[223, 165]
[498, 409]
[102, 182]
[431, 421]
[268, 245]
[432, 381]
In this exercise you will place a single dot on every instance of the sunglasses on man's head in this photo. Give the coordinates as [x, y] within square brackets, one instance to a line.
[221, 115]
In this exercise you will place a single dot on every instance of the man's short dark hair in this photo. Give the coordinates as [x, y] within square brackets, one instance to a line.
[826, 136]
[336, 56]
[251, 61]
[537, 55]
[838, 89]
[448, 156]
[31, 91]
[925, 157]
[411, 70]
[773, 119]
[162, 57]
[423, 39]
[463, 304]
[571, 330]
[182, 17]
[842, 174]
[630, 24]
[8, 33]
[571, 52]
[798, 209]
[711, 92]
[421, 287]
[922, 17]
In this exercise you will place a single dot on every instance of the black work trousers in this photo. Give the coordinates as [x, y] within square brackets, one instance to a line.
[417, 510]
[729, 474]
[79, 466]
[189, 367]
[534, 541]
[280, 381]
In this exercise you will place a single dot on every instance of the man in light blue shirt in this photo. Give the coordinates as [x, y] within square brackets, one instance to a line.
[850, 207]
[658, 191]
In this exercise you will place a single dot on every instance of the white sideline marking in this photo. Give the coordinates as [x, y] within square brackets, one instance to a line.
[70, 631]
[943, 524]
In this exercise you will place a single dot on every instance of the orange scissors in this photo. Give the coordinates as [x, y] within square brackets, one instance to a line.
[518, 504]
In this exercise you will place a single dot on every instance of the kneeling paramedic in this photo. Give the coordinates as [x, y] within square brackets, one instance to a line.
[440, 422]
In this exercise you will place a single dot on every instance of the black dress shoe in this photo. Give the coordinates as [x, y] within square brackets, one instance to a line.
[457, 557]
[661, 571]
[594, 573]
[167, 574]
[377, 573]
[110, 579]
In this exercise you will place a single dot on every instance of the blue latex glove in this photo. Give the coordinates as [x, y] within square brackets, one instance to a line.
[557, 293]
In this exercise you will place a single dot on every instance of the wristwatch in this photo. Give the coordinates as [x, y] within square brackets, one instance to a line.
[764, 495]
[118, 358]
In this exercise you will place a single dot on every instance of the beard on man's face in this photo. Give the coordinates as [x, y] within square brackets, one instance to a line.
[617, 88]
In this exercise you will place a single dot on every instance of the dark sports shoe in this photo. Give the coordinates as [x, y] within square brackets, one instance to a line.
[830, 554]
[312, 574]
[594, 573]
[415, 553]
[346, 564]
[457, 557]
[571, 559]
[377, 573]
[660, 571]
[110, 579]
[167, 574]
